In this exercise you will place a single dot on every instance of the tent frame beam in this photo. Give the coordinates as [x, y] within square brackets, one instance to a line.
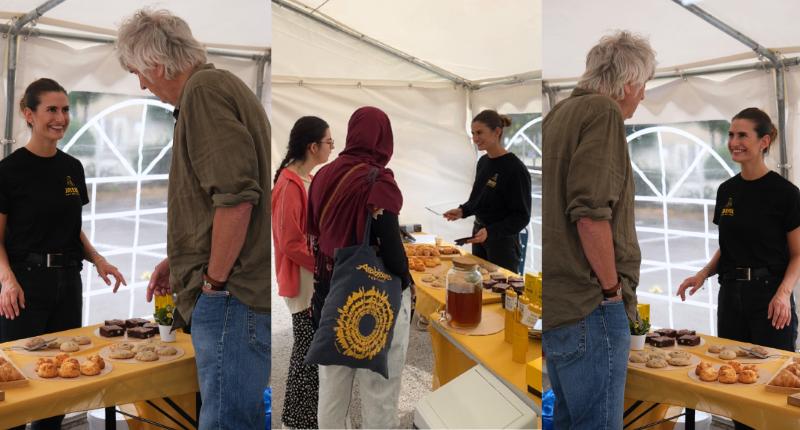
[18, 28]
[329, 22]
[773, 57]
[11, 66]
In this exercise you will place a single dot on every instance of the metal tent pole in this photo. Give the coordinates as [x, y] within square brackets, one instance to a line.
[262, 64]
[780, 90]
[333, 24]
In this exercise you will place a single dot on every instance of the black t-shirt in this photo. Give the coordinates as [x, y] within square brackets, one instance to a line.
[501, 195]
[43, 198]
[754, 218]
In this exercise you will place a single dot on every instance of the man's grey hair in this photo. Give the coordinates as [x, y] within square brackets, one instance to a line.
[618, 59]
[153, 37]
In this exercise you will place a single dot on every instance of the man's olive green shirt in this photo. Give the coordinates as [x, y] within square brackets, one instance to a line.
[586, 173]
[219, 159]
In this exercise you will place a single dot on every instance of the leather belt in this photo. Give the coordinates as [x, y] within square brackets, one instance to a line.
[744, 274]
[49, 260]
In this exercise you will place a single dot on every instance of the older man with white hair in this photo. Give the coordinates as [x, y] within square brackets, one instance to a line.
[217, 215]
[590, 252]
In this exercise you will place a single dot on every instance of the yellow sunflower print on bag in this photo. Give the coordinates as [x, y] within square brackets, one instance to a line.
[360, 304]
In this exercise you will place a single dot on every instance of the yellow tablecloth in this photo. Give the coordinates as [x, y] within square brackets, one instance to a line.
[749, 404]
[125, 384]
[456, 353]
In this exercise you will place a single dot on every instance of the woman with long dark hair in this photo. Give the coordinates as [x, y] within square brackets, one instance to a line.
[310, 144]
[501, 195]
[336, 220]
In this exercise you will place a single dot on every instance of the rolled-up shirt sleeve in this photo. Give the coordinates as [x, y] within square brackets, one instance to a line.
[597, 168]
[221, 150]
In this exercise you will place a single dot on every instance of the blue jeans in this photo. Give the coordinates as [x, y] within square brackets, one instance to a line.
[587, 364]
[231, 344]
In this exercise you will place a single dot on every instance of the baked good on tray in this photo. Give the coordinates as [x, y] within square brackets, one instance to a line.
[140, 332]
[667, 332]
[135, 322]
[111, 330]
[689, 340]
[663, 341]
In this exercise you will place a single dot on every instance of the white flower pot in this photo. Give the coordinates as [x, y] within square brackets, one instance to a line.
[166, 334]
[637, 342]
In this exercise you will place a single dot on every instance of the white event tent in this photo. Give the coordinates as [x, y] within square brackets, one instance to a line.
[120, 132]
[715, 58]
[431, 66]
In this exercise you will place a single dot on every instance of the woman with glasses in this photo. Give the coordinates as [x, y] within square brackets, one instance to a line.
[310, 144]
[501, 195]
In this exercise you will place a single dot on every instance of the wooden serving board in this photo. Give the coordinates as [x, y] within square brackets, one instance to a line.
[782, 390]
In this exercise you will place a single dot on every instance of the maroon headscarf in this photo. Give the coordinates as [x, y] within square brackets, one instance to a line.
[369, 141]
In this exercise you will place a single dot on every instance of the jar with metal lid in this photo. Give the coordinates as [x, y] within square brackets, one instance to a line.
[464, 293]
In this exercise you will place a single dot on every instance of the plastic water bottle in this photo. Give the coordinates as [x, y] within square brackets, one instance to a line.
[548, 403]
[268, 406]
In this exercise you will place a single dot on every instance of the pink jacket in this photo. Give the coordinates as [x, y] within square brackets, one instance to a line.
[289, 207]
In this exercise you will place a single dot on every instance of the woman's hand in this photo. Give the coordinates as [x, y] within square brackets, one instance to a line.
[479, 237]
[159, 281]
[695, 282]
[12, 298]
[780, 309]
[104, 268]
[454, 214]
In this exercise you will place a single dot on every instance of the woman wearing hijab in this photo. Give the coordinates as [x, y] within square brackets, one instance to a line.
[336, 220]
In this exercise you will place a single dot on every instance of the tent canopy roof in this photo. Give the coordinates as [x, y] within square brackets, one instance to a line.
[473, 39]
[246, 23]
[680, 38]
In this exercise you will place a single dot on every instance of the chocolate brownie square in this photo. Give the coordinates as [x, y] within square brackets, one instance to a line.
[663, 341]
[685, 332]
[135, 322]
[500, 288]
[499, 277]
[119, 323]
[650, 336]
[140, 332]
[152, 327]
[489, 284]
[689, 340]
[668, 332]
[111, 330]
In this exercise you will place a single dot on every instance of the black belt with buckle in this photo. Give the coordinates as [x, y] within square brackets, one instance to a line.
[49, 260]
[747, 274]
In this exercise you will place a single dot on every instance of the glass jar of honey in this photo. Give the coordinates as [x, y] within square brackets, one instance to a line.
[464, 293]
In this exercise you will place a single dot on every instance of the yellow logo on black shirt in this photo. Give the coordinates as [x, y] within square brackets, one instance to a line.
[70, 189]
[492, 182]
[728, 209]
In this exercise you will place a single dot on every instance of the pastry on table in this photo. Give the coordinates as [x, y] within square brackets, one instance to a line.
[47, 370]
[135, 322]
[736, 365]
[121, 354]
[785, 378]
[9, 373]
[33, 343]
[431, 262]
[638, 357]
[655, 353]
[727, 375]
[759, 350]
[656, 363]
[70, 346]
[123, 345]
[111, 330]
[685, 332]
[668, 332]
[679, 361]
[715, 348]
[689, 340]
[166, 350]
[741, 353]
[97, 359]
[90, 368]
[748, 377]
[146, 356]
[58, 359]
[69, 369]
[54, 344]
[82, 340]
[680, 354]
[700, 367]
[709, 374]
[727, 354]
[143, 347]
[662, 341]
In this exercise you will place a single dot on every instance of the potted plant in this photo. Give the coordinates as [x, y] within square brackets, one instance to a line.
[163, 316]
[639, 330]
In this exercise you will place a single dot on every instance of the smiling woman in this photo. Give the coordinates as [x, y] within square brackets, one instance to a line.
[42, 246]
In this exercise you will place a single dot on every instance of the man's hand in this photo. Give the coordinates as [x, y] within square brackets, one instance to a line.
[695, 282]
[104, 268]
[479, 237]
[12, 299]
[454, 214]
[159, 281]
[780, 309]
